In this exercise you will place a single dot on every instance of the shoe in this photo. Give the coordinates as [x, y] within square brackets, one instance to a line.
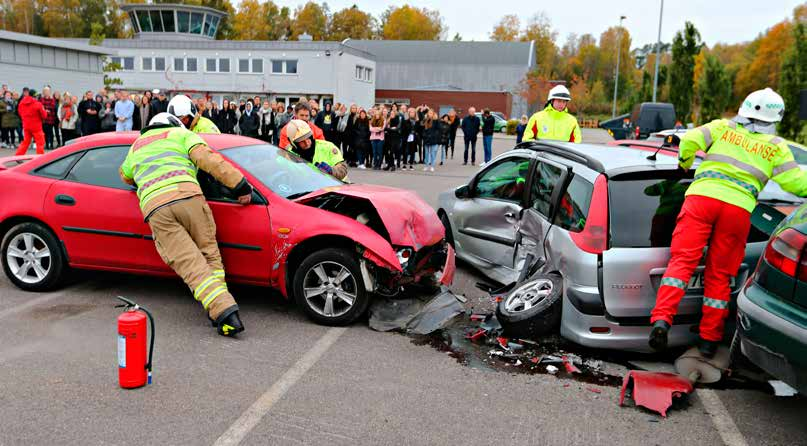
[411, 167]
[392, 169]
[465, 163]
[707, 348]
[431, 169]
[658, 336]
[229, 323]
[425, 169]
[441, 163]
[361, 166]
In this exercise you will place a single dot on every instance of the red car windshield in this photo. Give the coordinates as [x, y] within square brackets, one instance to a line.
[283, 172]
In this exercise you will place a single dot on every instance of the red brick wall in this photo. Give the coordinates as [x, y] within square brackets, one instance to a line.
[461, 100]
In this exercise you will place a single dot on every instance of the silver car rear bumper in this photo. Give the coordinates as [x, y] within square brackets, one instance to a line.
[576, 327]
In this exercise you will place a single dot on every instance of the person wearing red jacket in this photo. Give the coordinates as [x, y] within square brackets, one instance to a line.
[302, 111]
[32, 113]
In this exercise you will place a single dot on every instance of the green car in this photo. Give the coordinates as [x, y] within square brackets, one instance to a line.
[499, 126]
[772, 307]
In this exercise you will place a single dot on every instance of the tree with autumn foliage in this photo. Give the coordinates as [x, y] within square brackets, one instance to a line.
[507, 29]
[791, 82]
[351, 23]
[410, 23]
[257, 20]
[311, 19]
[765, 67]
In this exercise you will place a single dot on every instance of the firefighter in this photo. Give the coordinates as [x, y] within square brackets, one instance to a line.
[163, 164]
[554, 121]
[191, 117]
[322, 154]
[742, 154]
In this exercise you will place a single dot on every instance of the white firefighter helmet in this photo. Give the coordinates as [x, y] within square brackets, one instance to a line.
[763, 105]
[166, 119]
[559, 92]
[181, 106]
[298, 130]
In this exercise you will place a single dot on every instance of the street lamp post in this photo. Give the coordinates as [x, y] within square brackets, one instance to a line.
[658, 51]
[618, 50]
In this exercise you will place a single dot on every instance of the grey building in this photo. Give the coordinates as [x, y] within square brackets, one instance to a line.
[32, 61]
[174, 49]
[469, 72]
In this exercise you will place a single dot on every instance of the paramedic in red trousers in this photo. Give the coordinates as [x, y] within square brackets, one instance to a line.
[32, 113]
[742, 155]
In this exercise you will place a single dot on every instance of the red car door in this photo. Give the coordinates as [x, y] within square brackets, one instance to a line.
[243, 232]
[97, 216]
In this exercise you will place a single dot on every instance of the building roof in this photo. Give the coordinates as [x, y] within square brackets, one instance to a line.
[171, 6]
[448, 52]
[223, 45]
[56, 43]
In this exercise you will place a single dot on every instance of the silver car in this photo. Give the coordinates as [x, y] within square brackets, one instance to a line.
[601, 217]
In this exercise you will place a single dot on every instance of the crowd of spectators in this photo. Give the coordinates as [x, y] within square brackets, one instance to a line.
[382, 137]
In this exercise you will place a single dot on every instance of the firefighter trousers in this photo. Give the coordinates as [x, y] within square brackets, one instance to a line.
[724, 227]
[185, 236]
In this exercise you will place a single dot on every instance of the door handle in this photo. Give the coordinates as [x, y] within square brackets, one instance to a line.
[65, 200]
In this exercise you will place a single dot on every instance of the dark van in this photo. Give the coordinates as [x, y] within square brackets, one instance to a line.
[651, 117]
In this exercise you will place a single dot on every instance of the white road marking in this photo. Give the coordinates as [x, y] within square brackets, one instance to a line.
[720, 417]
[253, 415]
[30, 304]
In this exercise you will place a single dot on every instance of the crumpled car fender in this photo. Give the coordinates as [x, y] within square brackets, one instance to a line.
[655, 390]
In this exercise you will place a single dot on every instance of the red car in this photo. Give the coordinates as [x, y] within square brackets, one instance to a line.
[327, 244]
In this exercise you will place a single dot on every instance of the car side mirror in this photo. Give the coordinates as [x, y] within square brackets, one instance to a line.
[463, 192]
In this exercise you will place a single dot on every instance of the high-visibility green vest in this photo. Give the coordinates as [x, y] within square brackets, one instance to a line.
[159, 160]
[552, 124]
[327, 152]
[739, 163]
[204, 125]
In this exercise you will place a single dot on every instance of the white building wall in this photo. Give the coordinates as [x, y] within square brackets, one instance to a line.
[317, 74]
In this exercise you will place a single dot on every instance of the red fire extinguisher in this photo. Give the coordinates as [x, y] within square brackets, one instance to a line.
[133, 369]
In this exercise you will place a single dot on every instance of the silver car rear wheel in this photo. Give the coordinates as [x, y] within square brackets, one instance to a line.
[528, 295]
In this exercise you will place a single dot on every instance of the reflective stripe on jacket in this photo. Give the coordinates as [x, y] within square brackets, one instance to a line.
[552, 124]
[159, 159]
[739, 163]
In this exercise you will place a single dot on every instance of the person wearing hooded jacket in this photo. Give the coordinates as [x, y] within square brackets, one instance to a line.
[554, 121]
[249, 121]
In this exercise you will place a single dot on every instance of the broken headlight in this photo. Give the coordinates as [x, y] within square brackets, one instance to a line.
[404, 255]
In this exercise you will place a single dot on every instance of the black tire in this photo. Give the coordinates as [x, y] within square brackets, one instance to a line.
[447, 226]
[542, 318]
[328, 258]
[54, 265]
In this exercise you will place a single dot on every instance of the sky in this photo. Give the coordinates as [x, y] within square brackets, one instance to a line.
[717, 20]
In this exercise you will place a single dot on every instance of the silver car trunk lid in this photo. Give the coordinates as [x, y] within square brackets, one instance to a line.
[643, 208]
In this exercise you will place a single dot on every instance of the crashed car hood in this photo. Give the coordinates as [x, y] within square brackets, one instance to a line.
[408, 219]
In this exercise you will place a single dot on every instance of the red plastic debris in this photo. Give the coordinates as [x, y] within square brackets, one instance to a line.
[502, 343]
[535, 360]
[655, 390]
[476, 335]
[593, 389]
[570, 368]
[480, 317]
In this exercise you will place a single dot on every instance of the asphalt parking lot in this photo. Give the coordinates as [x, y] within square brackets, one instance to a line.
[286, 381]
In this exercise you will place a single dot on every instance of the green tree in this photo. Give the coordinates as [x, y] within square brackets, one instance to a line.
[351, 22]
[686, 45]
[457, 38]
[792, 81]
[713, 89]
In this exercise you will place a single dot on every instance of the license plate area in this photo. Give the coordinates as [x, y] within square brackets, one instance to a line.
[696, 282]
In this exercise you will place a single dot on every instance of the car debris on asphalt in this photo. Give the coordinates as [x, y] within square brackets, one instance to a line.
[414, 314]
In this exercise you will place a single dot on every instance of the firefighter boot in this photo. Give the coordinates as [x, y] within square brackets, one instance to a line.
[707, 348]
[228, 323]
[658, 335]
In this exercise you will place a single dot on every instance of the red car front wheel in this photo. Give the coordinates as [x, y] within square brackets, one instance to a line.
[328, 286]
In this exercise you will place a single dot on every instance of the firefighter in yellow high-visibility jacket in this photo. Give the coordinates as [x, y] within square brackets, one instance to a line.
[554, 121]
